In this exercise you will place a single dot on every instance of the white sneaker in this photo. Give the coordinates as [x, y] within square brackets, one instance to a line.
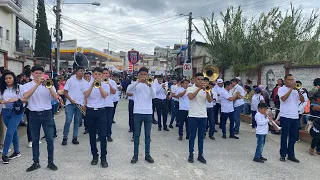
[29, 144]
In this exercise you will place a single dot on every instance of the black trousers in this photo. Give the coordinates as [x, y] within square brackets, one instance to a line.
[130, 108]
[162, 110]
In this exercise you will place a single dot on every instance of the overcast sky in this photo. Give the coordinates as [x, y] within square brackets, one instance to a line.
[144, 24]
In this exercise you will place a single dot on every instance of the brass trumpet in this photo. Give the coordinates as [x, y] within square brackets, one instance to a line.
[48, 83]
[208, 88]
[97, 84]
[298, 86]
[105, 80]
[149, 80]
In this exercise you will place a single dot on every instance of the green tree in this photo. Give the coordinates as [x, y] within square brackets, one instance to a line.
[43, 42]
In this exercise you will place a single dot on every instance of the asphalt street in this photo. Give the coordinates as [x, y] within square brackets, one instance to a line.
[226, 158]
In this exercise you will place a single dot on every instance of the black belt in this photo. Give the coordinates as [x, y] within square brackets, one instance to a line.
[40, 112]
[95, 109]
[160, 99]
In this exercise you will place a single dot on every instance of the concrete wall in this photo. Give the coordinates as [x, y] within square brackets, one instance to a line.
[15, 66]
[1, 59]
[29, 62]
[270, 73]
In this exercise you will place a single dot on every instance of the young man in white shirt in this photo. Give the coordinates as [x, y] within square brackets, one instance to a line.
[290, 98]
[302, 105]
[73, 91]
[227, 110]
[210, 111]
[183, 108]
[197, 115]
[143, 94]
[110, 105]
[238, 104]
[174, 102]
[262, 131]
[130, 107]
[116, 97]
[40, 114]
[96, 115]
[161, 103]
[217, 108]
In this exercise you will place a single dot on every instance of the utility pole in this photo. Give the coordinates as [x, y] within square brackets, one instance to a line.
[58, 40]
[168, 58]
[189, 38]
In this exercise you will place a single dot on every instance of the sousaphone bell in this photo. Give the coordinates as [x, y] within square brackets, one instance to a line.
[211, 72]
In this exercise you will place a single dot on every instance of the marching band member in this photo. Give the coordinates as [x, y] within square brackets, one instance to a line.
[197, 115]
[96, 115]
[218, 88]
[183, 108]
[143, 94]
[160, 102]
[238, 104]
[130, 108]
[174, 102]
[116, 97]
[73, 91]
[40, 114]
[110, 105]
[12, 111]
[210, 111]
[227, 110]
[290, 98]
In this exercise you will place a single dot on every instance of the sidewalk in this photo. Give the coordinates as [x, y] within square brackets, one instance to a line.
[226, 158]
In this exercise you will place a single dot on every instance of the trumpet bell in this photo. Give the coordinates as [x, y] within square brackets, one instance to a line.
[208, 88]
[97, 84]
[150, 80]
[211, 72]
[48, 83]
[105, 80]
[298, 86]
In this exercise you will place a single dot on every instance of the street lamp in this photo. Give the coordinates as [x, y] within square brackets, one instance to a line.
[93, 3]
[57, 10]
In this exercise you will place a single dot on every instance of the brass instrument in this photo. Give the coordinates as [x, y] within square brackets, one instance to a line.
[211, 72]
[105, 80]
[208, 88]
[275, 126]
[97, 84]
[48, 83]
[298, 86]
[81, 109]
[150, 80]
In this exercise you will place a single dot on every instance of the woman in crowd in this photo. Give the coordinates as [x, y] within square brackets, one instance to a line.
[274, 95]
[12, 112]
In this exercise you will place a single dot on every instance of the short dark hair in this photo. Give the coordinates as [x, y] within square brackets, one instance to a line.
[226, 83]
[78, 68]
[179, 80]
[87, 73]
[143, 69]
[160, 76]
[299, 82]
[37, 68]
[98, 69]
[206, 79]
[185, 80]
[316, 82]
[255, 86]
[198, 74]
[234, 80]
[286, 76]
[316, 95]
[262, 105]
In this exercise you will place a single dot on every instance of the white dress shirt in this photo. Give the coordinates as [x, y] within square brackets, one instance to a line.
[262, 124]
[242, 92]
[95, 100]
[143, 95]
[161, 93]
[184, 100]
[213, 103]
[197, 106]
[129, 86]
[116, 96]
[75, 89]
[11, 93]
[226, 105]
[173, 89]
[40, 100]
[111, 96]
[289, 108]
[218, 90]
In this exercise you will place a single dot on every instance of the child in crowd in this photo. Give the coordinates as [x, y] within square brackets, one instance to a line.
[261, 131]
[315, 129]
[255, 100]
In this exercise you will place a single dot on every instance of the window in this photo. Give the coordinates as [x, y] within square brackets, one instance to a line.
[1, 33]
[8, 35]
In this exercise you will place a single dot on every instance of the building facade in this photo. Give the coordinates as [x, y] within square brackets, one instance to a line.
[17, 23]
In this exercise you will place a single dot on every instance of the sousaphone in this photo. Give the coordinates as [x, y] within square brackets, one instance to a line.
[211, 72]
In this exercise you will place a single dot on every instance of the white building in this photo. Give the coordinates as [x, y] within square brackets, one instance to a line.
[17, 23]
